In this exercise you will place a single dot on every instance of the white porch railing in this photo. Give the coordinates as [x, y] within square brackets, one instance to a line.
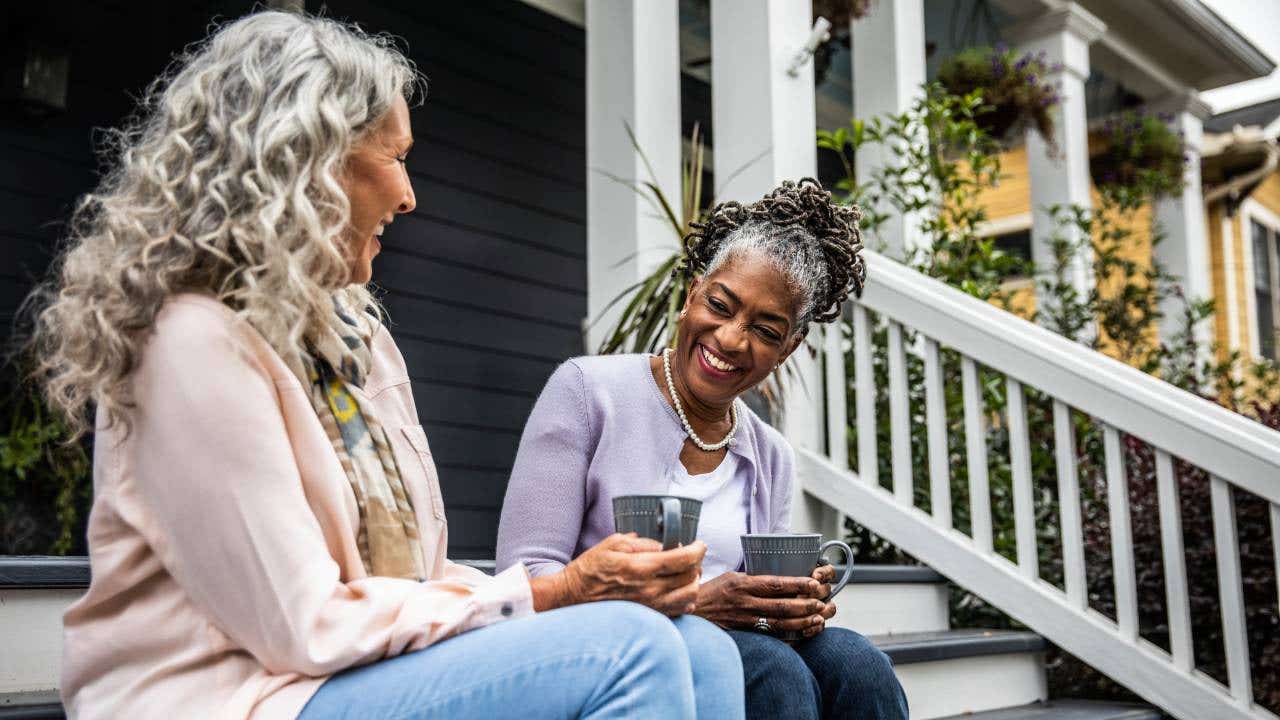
[1234, 451]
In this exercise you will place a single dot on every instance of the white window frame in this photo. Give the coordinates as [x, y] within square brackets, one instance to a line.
[1252, 211]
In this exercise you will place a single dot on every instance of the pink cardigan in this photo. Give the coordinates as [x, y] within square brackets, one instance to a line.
[226, 578]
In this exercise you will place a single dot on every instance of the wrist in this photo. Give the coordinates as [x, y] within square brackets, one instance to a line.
[549, 592]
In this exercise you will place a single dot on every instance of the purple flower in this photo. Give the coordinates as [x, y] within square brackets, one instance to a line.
[1001, 47]
[1031, 79]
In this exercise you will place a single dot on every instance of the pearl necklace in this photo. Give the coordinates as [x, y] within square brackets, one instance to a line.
[675, 399]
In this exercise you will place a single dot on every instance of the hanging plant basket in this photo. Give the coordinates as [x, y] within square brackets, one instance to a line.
[1014, 89]
[1142, 155]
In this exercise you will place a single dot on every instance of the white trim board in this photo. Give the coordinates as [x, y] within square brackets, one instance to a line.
[1004, 225]
[1251, 209]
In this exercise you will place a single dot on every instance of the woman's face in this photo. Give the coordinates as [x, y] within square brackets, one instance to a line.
[739, 325]
[378, 187]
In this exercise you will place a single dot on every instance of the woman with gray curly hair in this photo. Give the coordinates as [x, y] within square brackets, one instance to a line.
[673, 423]
[267, 537]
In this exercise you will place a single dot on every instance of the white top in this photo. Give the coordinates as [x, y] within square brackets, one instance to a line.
[723, 519]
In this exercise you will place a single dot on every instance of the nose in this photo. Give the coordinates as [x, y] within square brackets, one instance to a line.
[409, 201]
[732, 337]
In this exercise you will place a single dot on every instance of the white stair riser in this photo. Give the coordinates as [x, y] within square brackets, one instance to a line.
[892, 608]
[31, 624]
[951, 687]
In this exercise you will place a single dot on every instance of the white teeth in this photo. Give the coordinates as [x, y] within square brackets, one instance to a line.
[716, 362]
[378, 232]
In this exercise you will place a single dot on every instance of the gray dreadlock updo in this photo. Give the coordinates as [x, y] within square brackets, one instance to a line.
[812, 242]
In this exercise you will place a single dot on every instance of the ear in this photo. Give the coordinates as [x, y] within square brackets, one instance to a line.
[694, 284]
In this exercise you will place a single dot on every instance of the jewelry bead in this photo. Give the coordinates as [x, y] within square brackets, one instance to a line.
[675, 400]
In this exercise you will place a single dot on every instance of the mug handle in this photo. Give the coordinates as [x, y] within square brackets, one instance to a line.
[848, 565]
[670, 523]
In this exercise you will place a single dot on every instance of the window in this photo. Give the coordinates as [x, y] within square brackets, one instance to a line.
[1266, 285]
[1017, 243]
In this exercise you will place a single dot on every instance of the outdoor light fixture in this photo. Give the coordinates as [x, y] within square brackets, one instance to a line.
[821, 33]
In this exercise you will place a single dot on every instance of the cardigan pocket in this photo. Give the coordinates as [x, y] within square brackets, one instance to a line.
[424, 464]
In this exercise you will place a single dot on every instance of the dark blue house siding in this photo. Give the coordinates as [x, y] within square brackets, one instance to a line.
[485, 282]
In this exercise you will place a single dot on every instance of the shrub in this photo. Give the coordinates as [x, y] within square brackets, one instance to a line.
[1142, 154]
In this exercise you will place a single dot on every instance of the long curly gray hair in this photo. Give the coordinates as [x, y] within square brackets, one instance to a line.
[226, 181]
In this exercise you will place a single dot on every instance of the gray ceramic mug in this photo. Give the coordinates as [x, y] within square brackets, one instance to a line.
[792, 555]
[670, 519]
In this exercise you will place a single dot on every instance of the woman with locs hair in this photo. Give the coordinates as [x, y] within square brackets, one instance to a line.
[674, 424]
[267, 537]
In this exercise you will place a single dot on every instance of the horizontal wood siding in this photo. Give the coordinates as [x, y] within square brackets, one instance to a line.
[485, 282]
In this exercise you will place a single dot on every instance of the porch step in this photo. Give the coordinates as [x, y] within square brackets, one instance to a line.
[892, 599]
[1067, 710]
[953, 672]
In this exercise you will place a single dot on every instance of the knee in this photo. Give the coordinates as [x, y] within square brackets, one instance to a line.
[707, 643]
[637, 626]
[861, 657]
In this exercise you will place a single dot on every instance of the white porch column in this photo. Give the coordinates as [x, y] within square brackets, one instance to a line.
[888, 77]
[764, 122]
[633, 78]
[1185, 249]
[1064, 36]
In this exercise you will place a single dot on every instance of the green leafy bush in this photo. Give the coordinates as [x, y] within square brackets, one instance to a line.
[1142, 154]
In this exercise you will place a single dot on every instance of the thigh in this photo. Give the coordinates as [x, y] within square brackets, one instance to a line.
[717, 668]
[549, 665]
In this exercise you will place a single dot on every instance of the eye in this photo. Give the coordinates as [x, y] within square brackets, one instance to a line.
[768, 333]
[718, 306]
[403, 159]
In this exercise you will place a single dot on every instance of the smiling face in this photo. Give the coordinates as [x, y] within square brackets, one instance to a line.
[377, 184]
[740, 324]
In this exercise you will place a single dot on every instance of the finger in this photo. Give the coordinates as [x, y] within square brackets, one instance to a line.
[824, 590]
[813, 630]
[778, 586]
[824, 573]
[800, 624]
[631, 543]
[674, 562]
[784, 608]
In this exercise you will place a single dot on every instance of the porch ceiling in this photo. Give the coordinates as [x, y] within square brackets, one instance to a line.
[1160, 46]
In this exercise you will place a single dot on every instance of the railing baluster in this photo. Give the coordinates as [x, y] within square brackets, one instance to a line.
[865, 388]
[1069, 505]
[1226, 545]
[1121, 536]
[1024, 511]
[1275, 546]
[975, 434]
[1175, 563]
[936, 423]
[837, 406]
[899, 417]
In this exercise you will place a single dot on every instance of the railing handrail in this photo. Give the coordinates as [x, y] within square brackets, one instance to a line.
[1223, 442]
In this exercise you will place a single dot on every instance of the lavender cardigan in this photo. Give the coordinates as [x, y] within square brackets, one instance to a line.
[602, 428]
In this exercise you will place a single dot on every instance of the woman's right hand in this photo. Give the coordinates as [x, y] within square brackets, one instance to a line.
[626, 567]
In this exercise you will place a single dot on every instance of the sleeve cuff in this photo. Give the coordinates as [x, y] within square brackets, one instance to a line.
[506, 596]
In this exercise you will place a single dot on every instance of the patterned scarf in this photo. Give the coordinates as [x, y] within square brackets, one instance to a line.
[388, 537]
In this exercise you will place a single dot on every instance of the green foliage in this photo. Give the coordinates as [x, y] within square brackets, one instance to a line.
[1015, 88]
[1143, 155]
[45, 484]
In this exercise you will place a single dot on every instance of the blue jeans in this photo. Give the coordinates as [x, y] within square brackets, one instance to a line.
[599, 660]
[835, 674]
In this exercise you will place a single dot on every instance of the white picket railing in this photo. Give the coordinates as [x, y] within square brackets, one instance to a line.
[1234, 451]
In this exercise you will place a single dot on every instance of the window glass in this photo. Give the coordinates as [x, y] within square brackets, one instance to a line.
[1263, 247]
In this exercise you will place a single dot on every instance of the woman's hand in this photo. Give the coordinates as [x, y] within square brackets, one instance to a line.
[736, 600]
[824, 574]
[625, 567]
